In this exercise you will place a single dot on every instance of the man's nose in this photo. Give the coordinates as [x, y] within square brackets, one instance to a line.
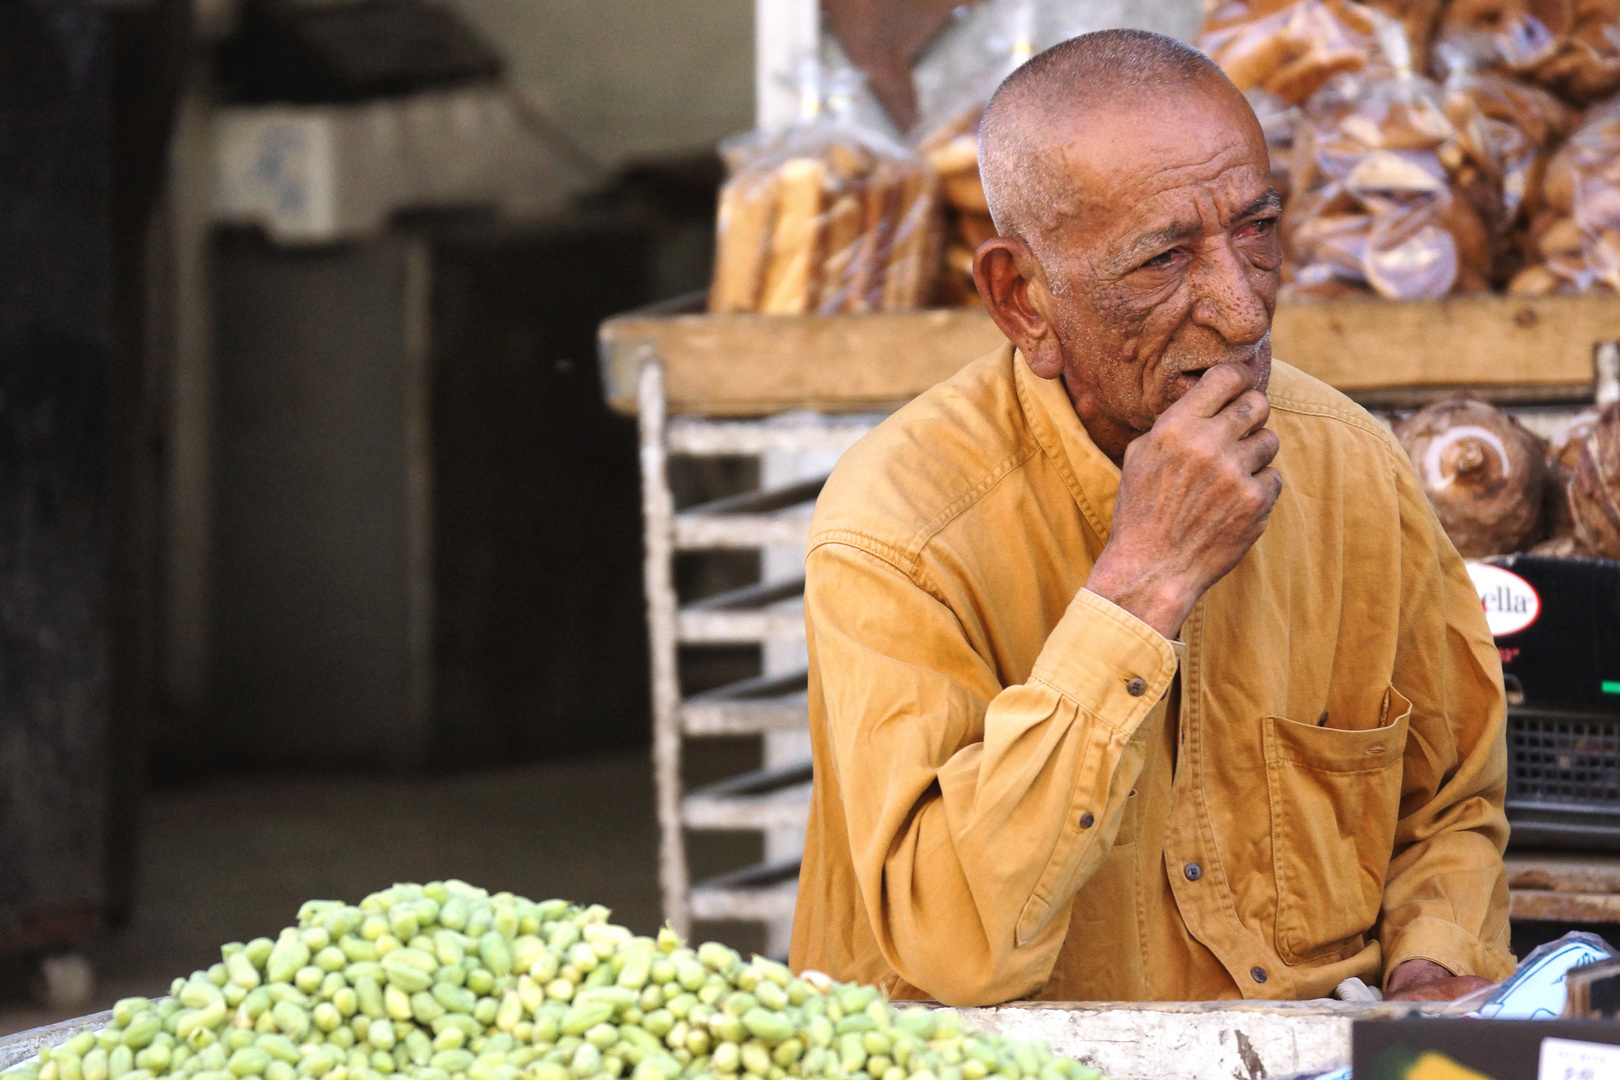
[1227, 297]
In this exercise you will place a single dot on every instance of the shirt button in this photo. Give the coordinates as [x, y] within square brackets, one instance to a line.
[1086, 820]
[1136, 686]
[1193, 871]
[1257, 973]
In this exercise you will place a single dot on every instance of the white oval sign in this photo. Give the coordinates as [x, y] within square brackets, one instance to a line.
[1510, 602]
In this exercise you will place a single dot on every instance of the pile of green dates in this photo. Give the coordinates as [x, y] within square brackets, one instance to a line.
[447, 982]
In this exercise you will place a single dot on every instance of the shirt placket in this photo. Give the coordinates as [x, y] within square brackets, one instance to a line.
[1197, 876]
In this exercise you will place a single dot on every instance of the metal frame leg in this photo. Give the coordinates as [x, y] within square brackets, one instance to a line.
[658, 511]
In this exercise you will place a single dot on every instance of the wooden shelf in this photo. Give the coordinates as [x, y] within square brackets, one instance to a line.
[1564, 887]
[1508, 348]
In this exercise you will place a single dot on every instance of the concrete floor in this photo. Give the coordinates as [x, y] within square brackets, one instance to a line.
[234, 859]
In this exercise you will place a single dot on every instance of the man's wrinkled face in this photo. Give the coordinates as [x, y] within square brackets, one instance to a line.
[1166, 261]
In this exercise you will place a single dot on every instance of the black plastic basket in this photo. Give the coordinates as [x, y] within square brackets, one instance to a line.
[1564, 778]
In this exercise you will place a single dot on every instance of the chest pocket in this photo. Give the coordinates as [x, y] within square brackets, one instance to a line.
[1335, 800]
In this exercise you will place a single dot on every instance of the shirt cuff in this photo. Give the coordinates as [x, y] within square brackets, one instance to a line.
[1112, 664]
[1447, 944]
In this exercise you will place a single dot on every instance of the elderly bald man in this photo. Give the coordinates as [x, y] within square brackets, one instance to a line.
[1140, 667]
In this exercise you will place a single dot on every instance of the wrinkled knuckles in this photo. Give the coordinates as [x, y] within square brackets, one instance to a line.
[1259, 406]
[1266, 445]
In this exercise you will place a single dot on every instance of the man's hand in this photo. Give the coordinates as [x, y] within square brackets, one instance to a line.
[1425, 980]
[1194, 496]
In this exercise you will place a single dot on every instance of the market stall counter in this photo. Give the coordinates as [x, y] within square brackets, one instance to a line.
[1126, 1040]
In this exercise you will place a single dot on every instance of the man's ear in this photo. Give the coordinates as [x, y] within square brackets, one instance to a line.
[1009, 280]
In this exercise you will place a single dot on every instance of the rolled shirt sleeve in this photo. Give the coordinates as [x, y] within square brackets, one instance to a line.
[1446, 895]
[975, 810]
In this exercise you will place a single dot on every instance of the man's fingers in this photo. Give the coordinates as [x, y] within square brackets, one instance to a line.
[1258, 450]
[1245, 414]
[1273, 482]
[1216, 388]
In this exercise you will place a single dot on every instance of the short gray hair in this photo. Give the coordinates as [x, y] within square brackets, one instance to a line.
[1094, 69]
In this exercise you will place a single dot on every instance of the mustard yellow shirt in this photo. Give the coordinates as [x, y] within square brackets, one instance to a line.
[1021, 790]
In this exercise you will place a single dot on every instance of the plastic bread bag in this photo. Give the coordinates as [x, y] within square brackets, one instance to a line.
[951, 149]
[1279, 121]
[1386, 197]
[1505, 131]
[1292, 48]
[826, 216]
[1575, 234]
[1505, 126]
[948, 137]
[1402, 251]
[1568, 46]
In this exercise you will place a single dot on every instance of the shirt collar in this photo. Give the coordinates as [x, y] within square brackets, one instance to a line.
[1093, 480]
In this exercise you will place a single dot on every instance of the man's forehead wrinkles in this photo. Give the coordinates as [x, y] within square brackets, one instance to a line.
[1191, 166]
[1186, 208]
[1145, 233]
[1201, 176]
[1179, 196]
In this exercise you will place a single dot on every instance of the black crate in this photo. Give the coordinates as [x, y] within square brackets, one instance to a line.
[1564, 778]
[1567, 656]
[1557, 623]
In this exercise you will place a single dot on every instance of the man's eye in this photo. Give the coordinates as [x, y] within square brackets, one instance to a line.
[1158, 262]
[1259, 228]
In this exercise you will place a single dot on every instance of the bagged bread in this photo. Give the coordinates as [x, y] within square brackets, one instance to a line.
[1372, 203]
[1505, 130]
[1567, 46]
[948, 139]
[1574, 238]
[825, 217]
[1291, 48]
[1279, 120]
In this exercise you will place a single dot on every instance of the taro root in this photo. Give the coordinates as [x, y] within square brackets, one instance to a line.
[1594, 485]
[1557, 519]
[1482, 471]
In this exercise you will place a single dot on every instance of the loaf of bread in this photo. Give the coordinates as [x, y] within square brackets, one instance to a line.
[791, 284]
[880, 208]
[845, 220]
[825, 218]
[743, 243]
